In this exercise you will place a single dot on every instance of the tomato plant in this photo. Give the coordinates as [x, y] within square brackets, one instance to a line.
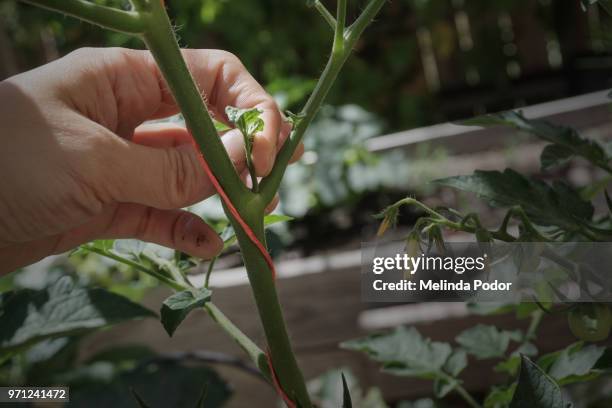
[543, 212]
[148, 20]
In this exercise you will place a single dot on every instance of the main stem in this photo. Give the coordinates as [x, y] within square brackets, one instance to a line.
[270, 312]
[162, 43]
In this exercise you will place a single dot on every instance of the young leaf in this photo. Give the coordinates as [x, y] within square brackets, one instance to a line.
[248, 121]
[556, 205]
[29, 316]
[561, 136]
[177, 307]
[404, 352]
[389, 220]
[535, 389]
[573, 364]
[220, 126]
[346, 399]
[484, 341]
[272, 219]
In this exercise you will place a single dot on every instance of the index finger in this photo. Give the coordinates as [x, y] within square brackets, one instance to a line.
[233, 85]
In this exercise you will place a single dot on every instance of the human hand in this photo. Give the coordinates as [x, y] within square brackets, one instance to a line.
[77, 165]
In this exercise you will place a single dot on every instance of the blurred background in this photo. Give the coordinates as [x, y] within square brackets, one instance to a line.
[386, 130]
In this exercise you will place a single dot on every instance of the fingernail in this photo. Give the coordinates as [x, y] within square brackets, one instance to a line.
[198, 237]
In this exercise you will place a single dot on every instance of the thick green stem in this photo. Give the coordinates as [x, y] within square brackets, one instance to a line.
[161, 41]
[270, 312]
[108, 17]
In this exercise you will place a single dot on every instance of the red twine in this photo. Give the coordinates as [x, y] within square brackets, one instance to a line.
[245, 227]
[276, 384]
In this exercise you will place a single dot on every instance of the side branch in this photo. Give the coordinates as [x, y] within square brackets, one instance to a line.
[271, 183]
[340, 27]
[108, 17]
[257, 356]
[364, 19]
[327, 16]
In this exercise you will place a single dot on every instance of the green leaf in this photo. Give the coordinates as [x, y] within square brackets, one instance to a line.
[575, 363]
[404, 352]
[61, 309]
[442, 386]
[512, 363]
[535, 389]
[176, 308]
[554, 156]
[130, 248]
[330, 388]
[346, 394]
[562, 136]
[546, 205]
[272, 219]
[220, 126]
[484, 341]
[456, 362]
[248, 121]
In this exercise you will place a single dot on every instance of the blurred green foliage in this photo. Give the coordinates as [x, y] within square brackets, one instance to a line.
[285, 44]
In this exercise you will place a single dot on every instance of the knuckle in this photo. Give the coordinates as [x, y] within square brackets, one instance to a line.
[144, 224]
[180, 177]
[228, 57]
[83, 52]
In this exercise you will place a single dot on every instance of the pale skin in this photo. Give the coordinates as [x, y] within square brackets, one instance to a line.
[79, 164]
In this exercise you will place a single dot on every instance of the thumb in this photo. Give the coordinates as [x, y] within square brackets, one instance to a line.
[164, 172]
